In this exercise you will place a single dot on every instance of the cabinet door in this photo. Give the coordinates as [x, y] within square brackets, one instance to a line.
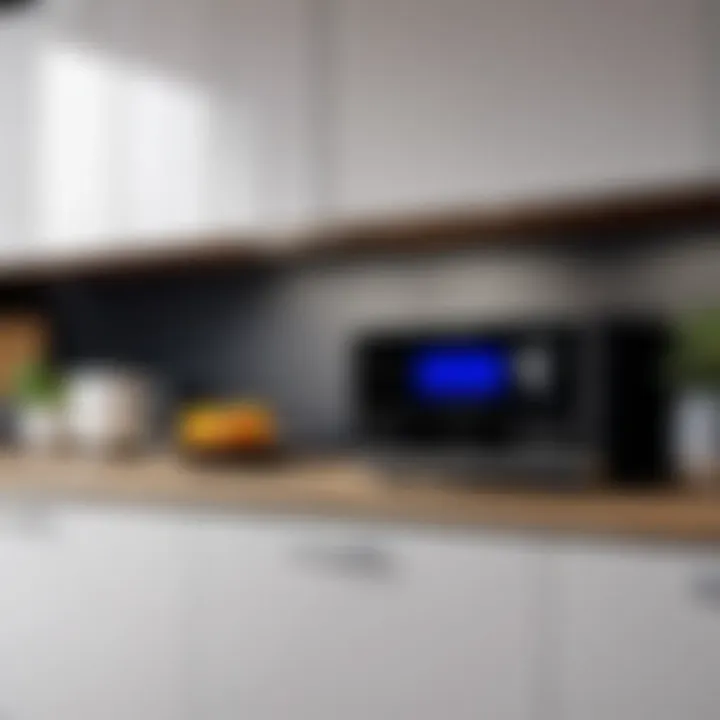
[215, 128]
[257, 64]
[321, 624]
[90, 623]
[464, 101]
[172, 120]
[19, 31]
[639, 634]
[76, 193]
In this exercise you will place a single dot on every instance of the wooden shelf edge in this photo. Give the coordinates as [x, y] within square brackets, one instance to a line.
[609, 217]
[604, 217]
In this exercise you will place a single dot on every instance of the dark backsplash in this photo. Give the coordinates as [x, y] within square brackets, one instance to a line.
[283, 335]
[217, 334]
[188, 329]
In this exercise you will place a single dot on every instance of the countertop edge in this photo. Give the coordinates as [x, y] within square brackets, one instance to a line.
[344, 492]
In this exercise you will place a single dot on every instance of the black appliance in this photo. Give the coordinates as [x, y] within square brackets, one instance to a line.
[587, 397]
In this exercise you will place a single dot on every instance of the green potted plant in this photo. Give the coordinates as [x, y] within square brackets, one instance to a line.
[696, 368]
[38, 394]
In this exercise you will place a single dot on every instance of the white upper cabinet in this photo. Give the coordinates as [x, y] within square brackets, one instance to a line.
[258, 61]
[638, 634]
[320, 623]
[471, 101]
[170, 119]
[75, 183]
[135, 121]
[18, 38]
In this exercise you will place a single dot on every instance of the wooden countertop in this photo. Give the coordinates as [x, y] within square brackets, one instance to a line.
[344, 489]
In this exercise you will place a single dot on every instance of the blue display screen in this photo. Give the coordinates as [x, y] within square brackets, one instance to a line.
[461, 373]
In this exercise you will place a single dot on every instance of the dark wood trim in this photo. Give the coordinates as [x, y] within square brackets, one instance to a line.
[611, 217]
[202, 253]
[623, 217]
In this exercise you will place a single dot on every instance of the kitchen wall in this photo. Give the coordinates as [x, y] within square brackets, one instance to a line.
[670, 276]
[310, 318]
[193, 332]
[285, 335]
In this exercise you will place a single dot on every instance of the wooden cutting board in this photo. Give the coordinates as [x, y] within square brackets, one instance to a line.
[23, 338]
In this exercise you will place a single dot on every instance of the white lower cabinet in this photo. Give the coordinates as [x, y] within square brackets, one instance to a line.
[343, 623]
[638, 633]
[112, 614]
[90, 621]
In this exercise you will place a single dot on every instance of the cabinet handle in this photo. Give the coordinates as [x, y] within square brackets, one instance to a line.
[30, 518]
[353, 559]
